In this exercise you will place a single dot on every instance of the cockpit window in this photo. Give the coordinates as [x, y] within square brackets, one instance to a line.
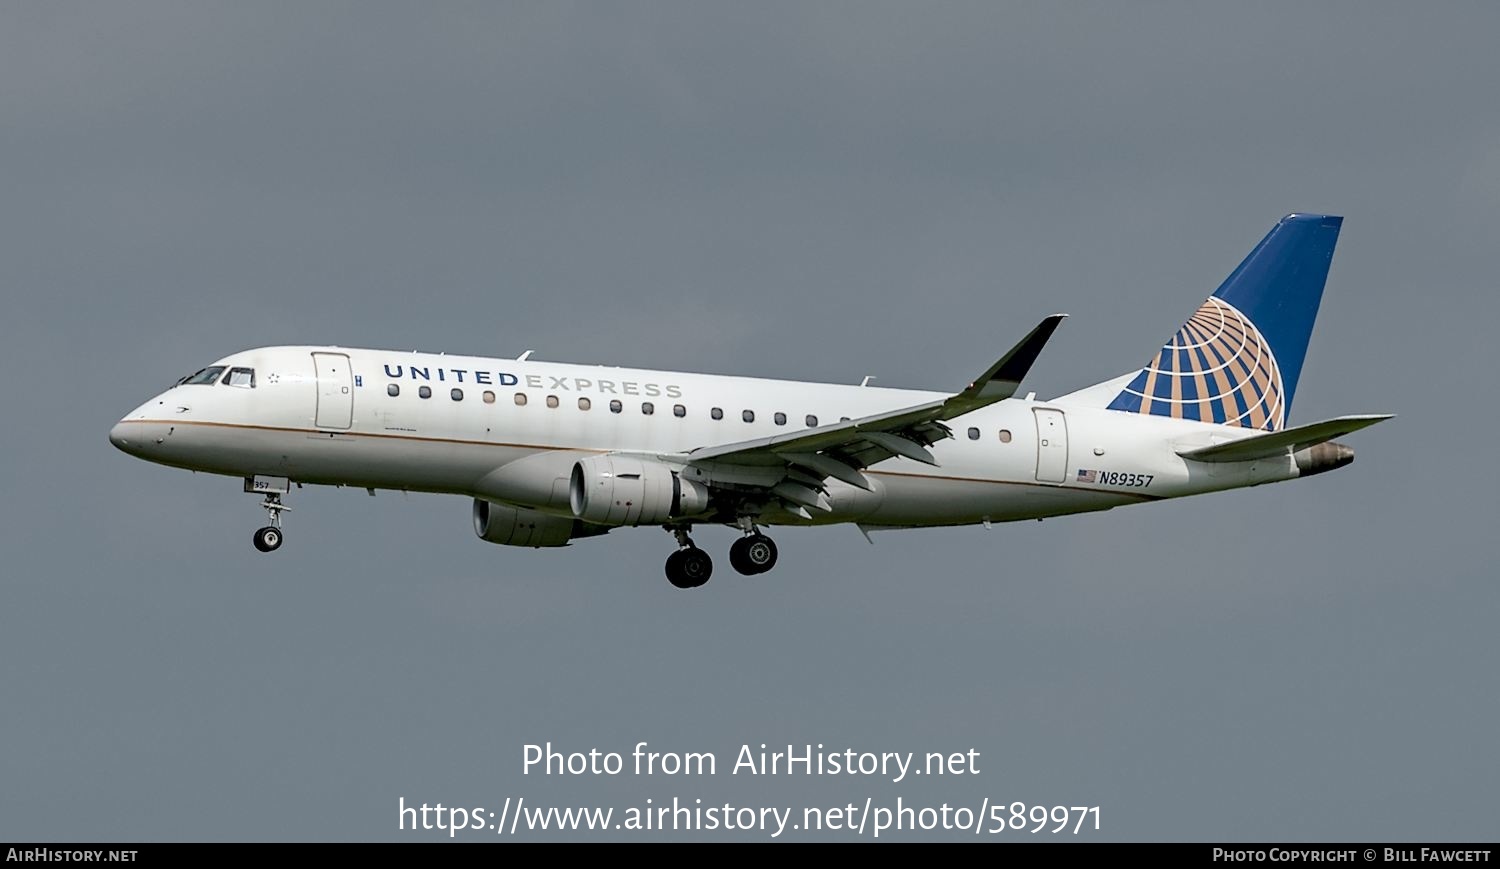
[203, 378]
[242, 377]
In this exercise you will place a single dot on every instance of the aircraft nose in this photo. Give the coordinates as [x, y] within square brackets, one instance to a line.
[117, 436]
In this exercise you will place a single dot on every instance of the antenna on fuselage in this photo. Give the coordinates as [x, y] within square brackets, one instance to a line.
[524, 356]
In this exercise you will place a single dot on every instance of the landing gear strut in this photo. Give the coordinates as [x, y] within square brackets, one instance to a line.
[689, 566]
[268, 539]
[755, 552]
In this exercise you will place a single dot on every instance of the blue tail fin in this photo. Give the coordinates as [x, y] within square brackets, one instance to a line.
[1237, 360]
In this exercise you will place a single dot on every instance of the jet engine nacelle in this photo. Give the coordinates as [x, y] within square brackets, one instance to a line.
[620, 490]
[517, 526]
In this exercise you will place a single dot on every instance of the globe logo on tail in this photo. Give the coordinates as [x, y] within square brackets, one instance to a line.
[1217, 368]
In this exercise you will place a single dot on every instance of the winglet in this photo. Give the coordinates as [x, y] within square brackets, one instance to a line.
[1004, 377]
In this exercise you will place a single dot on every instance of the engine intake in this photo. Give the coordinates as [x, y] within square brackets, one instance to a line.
[518, 526]
[620, 490]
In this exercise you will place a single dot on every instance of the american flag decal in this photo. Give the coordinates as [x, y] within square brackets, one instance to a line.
[1088, 476]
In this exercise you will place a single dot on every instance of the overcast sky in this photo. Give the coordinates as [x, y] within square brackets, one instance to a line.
[816, 191]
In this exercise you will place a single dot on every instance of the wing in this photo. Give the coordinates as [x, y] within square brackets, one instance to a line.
[795, 465]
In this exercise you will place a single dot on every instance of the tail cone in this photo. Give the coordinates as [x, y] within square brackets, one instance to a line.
[1323, 457]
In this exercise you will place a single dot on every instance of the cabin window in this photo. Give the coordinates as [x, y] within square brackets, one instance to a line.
[424, 391]
[392, 390]
[716, 412]
[843, 419]
[489, 397]
[615, 406]
[456, 394]
[973, 433]
[552, 401]
[1004, 435]
[812, 421]
[648, 408]
[205, 377]
[520, 399]
[679, 411]
[584, 404]
[747, 415]
[241, 377]
[780, 418]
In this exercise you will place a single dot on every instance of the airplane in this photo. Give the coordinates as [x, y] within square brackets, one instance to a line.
[551, 453]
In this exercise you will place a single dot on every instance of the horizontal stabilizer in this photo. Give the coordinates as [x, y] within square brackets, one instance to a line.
[1280, 443]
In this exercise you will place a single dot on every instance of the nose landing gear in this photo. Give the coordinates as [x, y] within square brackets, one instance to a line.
[268, 539]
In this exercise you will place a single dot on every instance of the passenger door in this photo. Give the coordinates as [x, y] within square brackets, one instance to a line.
[1051, 445]
[335, 390]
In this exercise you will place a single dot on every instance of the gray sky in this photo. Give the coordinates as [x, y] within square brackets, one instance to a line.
[818, 191]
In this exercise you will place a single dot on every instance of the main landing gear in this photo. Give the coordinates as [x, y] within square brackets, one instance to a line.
[755, 552]
[268, 539]
[752, 554]
[691, 567]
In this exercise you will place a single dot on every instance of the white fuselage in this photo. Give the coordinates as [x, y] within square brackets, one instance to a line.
[326, 415]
